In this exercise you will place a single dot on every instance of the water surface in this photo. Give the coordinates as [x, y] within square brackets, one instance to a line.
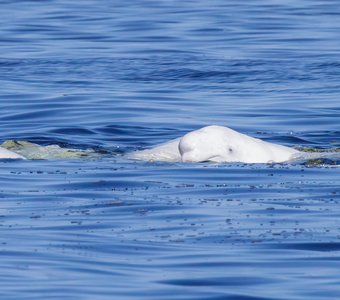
[125, 75]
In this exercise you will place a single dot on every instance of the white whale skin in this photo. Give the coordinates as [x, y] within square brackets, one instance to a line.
[217, 144]
[6, 154]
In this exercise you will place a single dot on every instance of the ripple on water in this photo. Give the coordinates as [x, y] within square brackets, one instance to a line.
[116, 77]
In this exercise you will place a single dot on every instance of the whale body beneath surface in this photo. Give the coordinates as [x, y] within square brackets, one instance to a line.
[211, 143]
[4, 153]
[217, 144]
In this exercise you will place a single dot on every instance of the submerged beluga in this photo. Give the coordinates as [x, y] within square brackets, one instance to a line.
[4, 153]
[217, 144]
[213, 143]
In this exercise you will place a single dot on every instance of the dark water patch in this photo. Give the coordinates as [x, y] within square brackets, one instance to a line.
[314, 247]
[73, 131]
[217, 281]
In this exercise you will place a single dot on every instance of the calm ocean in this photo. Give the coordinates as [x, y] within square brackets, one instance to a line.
[116, 76]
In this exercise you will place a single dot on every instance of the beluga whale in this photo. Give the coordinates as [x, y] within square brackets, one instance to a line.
[218, 144]
[212, 143]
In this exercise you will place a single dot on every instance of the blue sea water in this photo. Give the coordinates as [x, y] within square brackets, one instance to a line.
[117, 76]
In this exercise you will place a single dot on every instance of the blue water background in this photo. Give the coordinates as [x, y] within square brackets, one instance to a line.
[117, 76]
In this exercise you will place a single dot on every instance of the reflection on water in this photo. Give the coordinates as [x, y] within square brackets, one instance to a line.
[114, 77]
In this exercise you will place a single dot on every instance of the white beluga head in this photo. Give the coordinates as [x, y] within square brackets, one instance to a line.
[222, 144]
[217, 144]
[211, 143]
